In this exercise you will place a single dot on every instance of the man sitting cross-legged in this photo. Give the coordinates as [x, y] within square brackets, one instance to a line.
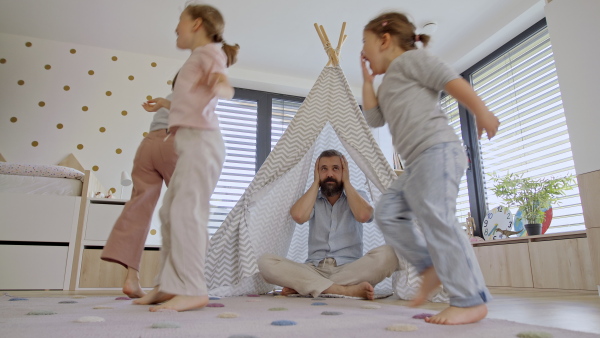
[335, 264]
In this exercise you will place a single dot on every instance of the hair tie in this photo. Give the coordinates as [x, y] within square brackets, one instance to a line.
[383, 24]
[417, 37]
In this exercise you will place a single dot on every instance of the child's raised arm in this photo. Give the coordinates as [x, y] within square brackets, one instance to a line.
[218, 84]
[464, 93]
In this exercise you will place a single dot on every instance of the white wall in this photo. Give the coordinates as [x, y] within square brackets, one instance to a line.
[32, 123]
[574, 26]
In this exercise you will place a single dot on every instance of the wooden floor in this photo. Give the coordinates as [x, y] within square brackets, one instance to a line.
[571, 310]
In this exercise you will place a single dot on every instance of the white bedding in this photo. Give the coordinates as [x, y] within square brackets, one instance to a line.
[40, 185]
[42, 170]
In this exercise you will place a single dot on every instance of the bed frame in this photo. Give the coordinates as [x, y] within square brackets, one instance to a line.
[41, 234]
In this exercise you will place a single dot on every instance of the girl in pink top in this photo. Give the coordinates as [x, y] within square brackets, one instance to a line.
[180, 282]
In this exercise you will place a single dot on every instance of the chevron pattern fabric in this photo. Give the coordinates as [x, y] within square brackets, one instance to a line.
[406, 283]
[329, 118]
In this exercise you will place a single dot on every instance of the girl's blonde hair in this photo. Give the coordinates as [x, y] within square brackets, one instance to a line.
[399, 28]
[214, 25]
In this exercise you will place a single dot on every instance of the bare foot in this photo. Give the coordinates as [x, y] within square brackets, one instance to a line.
[153, 297]
[430, 282]
[132, 287]
[182, 303]
[453, 315]
[362, 290]
[288, 291]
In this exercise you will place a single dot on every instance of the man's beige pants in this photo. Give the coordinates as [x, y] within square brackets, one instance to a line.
[186, 209]
[308, 279]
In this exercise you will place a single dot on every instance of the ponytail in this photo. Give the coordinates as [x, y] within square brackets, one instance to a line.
[424, 38]
[231, 52]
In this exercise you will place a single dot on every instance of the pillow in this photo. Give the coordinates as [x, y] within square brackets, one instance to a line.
[44, 170]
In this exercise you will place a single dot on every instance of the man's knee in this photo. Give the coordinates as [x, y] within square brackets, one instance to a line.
[386, 256]
[266, 260]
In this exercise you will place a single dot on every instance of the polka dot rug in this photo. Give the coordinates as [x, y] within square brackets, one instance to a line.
[109, 316]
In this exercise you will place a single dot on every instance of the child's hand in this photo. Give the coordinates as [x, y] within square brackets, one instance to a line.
[367, 75]
[489, 122]
[155, 104]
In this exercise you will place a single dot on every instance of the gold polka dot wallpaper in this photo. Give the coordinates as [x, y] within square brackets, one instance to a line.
[59, 98]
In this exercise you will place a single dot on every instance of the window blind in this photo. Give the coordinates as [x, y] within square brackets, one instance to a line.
[521, 88]
[237, 120]
[282, 113]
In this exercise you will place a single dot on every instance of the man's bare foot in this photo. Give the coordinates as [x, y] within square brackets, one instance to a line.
[362, 290]
[453, 315]
[430, 282]
[132, 287]
[288, 291]
[182, 303]
[153, 297]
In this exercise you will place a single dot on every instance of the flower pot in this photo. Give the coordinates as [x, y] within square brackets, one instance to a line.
[533, 229]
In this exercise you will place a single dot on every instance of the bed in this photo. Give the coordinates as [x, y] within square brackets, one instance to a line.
[41, 210]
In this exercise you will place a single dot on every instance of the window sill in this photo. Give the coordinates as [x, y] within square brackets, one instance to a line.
[538, 238]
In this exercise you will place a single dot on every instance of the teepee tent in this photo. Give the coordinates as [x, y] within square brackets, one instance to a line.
[329, 118]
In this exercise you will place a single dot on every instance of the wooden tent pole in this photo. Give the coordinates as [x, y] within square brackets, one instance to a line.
[333, 54]
[330, 51]
[341, 39]
[320, 35]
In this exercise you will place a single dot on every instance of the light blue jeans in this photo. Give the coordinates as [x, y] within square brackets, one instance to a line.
[427, 191]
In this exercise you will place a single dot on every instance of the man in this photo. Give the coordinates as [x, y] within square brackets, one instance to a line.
[335, 264]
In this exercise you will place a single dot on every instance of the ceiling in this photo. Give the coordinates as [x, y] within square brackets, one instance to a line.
[280, 50]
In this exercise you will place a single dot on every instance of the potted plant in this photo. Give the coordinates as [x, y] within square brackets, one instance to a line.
[531, 195]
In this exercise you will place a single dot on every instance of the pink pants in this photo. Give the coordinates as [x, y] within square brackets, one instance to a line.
[154, 162]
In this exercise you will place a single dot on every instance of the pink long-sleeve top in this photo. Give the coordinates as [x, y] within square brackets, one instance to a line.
[194, 106]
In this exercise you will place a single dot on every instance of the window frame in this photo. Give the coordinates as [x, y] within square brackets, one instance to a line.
[475, 182]
[264, 104]
[262, 112]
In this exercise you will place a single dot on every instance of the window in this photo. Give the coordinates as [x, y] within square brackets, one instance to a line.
[283, 111]
[245, 121]
[519, 84]
[237, 120]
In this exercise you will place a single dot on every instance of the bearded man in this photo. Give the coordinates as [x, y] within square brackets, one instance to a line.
[335, 212]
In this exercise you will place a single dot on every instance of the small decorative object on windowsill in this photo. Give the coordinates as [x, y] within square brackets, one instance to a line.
[470, 225]
[496, 222]
[470, 229]
[533, 196]
[519, 226]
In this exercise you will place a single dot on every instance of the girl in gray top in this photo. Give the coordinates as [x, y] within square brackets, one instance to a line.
[408, 100]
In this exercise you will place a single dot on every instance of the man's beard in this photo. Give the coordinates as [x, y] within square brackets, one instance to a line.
[331, 190]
